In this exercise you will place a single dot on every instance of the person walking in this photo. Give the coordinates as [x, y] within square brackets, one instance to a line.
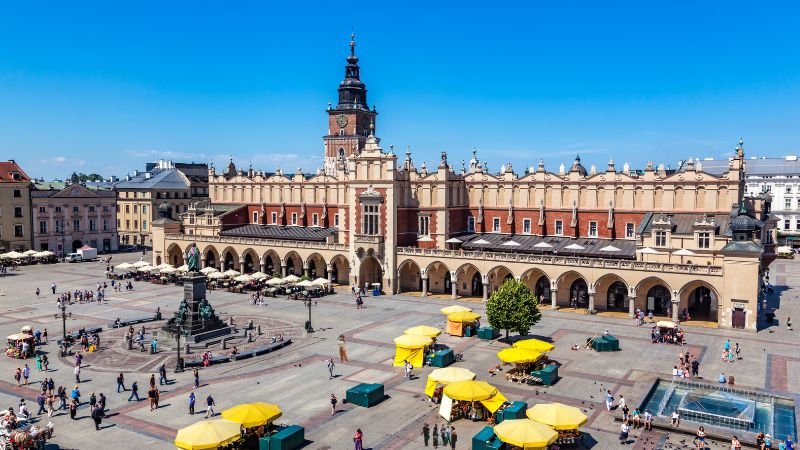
[407, 368]
[331, 366]
[334, 401]
[40, 400]
[445, 432]
[453, 438]
[26, 372]
[120, 383]
[426, 434]
[39, 362]
[45, 363]
[77, 372]
[435, 436]
[196, 378]
[191, 403]
[44, 335]
[76, 394]
[358, 439]
[37, 292]
[134, 391]
[49, 404]
[162, 374]
[101, 402]
[342, 348]
[210, 406]
[789, 323]
[152, 380]
[53, 288]
[18, 376]
[62, 397]
[73, 409]
[97, 416]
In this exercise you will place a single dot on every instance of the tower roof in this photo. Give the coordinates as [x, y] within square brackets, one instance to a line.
[352, 91]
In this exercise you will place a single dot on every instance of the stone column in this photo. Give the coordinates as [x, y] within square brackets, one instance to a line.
[397, 289]
[330, 275]
[241, 265]
[263, 267]
[425, 287]
[283, 269]
[453, 286]
[553, 299]
[631, 306]
[203, 261]
[591, 301]
[306, 271]
[676, 301]
[485, 291]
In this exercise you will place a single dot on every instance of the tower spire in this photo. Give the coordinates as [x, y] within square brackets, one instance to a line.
[353, 44]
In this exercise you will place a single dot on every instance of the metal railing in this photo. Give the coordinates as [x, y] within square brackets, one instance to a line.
[258, 241]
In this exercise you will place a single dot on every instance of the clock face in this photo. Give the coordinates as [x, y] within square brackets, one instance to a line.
[341, 120]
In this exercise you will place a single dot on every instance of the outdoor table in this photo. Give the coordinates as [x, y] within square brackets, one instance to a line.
[365, 394]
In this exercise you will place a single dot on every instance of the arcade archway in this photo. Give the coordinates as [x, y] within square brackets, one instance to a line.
[410, 276]
[370, 271]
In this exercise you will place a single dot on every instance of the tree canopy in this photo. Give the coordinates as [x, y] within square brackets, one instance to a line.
[513, 307]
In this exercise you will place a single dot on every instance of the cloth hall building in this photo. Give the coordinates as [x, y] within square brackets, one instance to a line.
[680, 243]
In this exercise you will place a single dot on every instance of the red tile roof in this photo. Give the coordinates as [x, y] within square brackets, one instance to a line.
[7, 171]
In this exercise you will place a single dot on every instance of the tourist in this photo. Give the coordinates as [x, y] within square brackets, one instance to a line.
[162, 374]
[44, 335]
[625, 412]
[789, 323]
[53, 288]
[435, 436]
[648, 420]
[101, 402]
[426, 434]
[134, 391]
[39, 362]
[445, 432]
[738, 350]
[342, 349]
[695, 368]
[97, 416]
[151, 396]
[152, 380]
[45, 363]
[453, 438]
[722, 378]
[735, 444]
[73, 409]
[789, 443]
[331, 366]
[77, 372]
[334, 401]
[675, 418]
[18, 376]
[121, 383]
[40, 402]
[62, 397]
[407, 368]
[637, 420]
[26, 372]
[609, 400]
[624, 429]
[760, 440]
[196, 374]
[358, 439]
[700, 438]
[210, 406]
[191, 403]
[49, 404]
[767, 442]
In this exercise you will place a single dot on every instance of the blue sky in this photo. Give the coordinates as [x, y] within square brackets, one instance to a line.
[107, 86]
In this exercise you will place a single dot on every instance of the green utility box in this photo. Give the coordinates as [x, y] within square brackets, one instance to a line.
[548, 374]
[365, 394]
[488, 333]
[285, 438]
[487, 440]
[516, 410]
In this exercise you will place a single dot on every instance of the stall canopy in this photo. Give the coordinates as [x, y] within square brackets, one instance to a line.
[208, 434]
[251, 415]
[666, 324]
[411, 348]
[557, 415]
[446, 376]
[516, 355]
[455, 309]
[292, 279]
[456, 321]
[525, 433]
[423, 330]
[207, 270]
[476, 391]
[535, 345]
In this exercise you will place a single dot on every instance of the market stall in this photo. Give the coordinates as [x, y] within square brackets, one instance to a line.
[531, 367]
[535, 345]
[208, 434]
[566, 420]
[21, 345]
[462, 323]
[252, 415]
[525, 434]
[455, 309]
[424, 330]
[444, 377]
[412, 349]
[475, 400]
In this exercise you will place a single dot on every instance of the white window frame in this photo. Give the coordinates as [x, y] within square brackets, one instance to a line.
[424, 226]
[370, 219]
[592, 231]
[787, 224]
[315, 219]
[336, 220]
[496, 225]
[787, 204]
[630, 230]
[274, 218]
[93, 224]
[661, 234]
[255, 216]
[42, 227]
[526, 226]
[294, 218]
[558, 228]
[704, 239]
[471, 223]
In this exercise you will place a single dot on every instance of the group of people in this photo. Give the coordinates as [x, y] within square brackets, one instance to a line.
[446, 433]
[687, 367]
[666, 335]
[730, 354]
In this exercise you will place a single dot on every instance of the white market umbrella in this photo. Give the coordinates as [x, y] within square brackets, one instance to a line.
[244, 278]
[183, 268]
[321, 282]
[481, 242]
[292, 279]
[510, 244]
[138, 264]
[146, 268]
[29, 252]
[543, 245]
[13, 255]
[163, 266]
[683, 252]
[123, 266]
[609, 248]
[275, 282]
[259, 275]
[453, 241]
[647, 251]
[305, 283]
[784, 249]
[574, 248]
[206, 270]
[231, 273]
[169, 269]
[216, 275]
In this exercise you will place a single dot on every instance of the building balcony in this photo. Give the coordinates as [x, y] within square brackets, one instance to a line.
[368, 239]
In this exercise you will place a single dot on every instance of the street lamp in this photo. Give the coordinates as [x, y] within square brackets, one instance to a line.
[179, 363]
[309, 328]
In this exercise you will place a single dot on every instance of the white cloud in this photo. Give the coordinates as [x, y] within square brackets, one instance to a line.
[62, 160]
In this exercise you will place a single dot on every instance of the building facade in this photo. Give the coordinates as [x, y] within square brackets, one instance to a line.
[15, 208]
[139, 196]
[680, 243]
[68, 216]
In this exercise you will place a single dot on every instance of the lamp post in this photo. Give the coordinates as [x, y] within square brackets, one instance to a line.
[64, 320]
[309, 328]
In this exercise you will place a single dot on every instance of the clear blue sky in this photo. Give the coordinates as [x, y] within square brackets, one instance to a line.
[104, 87]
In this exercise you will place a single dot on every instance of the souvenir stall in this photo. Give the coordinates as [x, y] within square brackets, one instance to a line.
[412, 349]
[565, 420]
[462, 324]
[474, 400]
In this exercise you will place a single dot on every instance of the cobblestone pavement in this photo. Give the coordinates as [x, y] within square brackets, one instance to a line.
[296, 377]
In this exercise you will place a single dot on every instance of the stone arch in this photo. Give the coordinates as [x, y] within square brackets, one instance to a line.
[229, 259]
[700, 299]
[572, 285]
[293, 263]
[654, 294]
[369, 270]
[174, 255]
[252, 263]
[316, 266]
[611, 293]
[439, 280]
[498, 275]
[210, 256]
[409, 276]
[469, 281]
[538, 282]
[271, 262]
[340, 270]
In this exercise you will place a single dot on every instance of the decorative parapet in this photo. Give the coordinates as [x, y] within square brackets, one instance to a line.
[563, 261]
[257, 241]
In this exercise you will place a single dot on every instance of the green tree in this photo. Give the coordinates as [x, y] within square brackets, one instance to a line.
[513, 307]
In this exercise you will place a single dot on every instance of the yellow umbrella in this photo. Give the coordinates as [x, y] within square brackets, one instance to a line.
[557, 416]
[525, 433]
[455, 309]
[252, 415]
[535, 345]
[518, 355]
[412, 341]
[464, 316]
[470, 391]
[423, 330]
[208, 434]
[446, 376]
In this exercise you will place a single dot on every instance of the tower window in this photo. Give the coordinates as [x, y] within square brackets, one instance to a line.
[341, 153]
[341, 132]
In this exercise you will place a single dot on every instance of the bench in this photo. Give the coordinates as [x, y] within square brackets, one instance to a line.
[76, 335]
[241, 355]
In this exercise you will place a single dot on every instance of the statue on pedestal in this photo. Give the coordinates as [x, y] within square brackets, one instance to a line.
[193, 257]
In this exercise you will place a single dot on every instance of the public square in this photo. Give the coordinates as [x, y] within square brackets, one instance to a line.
[296, 377]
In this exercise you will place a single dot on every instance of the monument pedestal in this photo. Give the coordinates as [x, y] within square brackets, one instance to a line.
[196, 318]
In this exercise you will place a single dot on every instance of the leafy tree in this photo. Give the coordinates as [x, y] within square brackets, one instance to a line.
[513, 307]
